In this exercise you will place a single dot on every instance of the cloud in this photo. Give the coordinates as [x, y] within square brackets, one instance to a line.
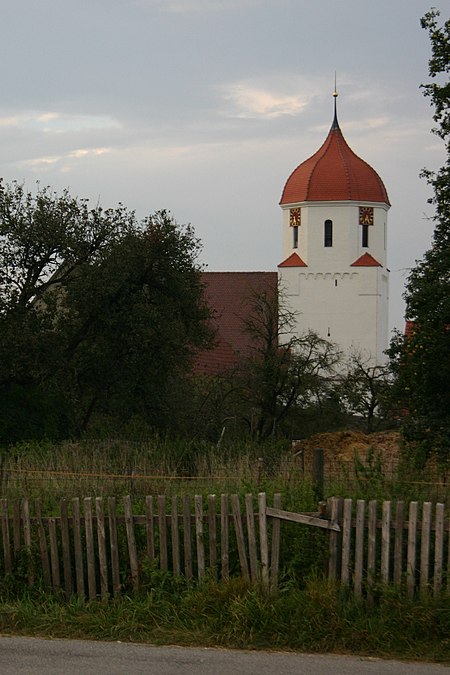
[41, 163]
[249, 101]
[54, 122]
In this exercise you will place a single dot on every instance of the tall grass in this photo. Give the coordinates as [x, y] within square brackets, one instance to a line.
[318, 618]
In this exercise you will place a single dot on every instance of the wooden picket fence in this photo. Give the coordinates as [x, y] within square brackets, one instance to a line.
[102, 547]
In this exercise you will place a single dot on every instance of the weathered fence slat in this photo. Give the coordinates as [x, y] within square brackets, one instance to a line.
[263, 539]
[149, 530]
[176, 564]
[27, 537]
[54, 556]
[212, 534]
[16, 525]
[42, 545]
[101, 540]
[359, 546]
[5, 537]
[187, 537]
[162, 522]
[438, 549]
[371, 544]
[132, 551]
[113, 545]
[251, 536]
[346, 540]
[412, 543]
[90, 550]
[198, 505]
[425, 546]
[78, 550]
[385, 541]
[398, 546]
[304, 518]
[65, 545]
[275, 553]
[333, 507]
[237, 521]
[224, 537]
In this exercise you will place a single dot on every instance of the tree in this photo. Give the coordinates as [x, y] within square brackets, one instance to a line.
[98, 313]
[364, 389]
[284, 371]
[421, 359]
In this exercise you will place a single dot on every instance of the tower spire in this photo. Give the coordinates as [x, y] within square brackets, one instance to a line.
[335, 124]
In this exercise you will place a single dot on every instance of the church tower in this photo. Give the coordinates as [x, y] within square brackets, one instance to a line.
[334, 270]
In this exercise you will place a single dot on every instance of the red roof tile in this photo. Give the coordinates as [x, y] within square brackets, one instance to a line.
[229, 294]
[293, 260]
[366, 260]
[334, 173]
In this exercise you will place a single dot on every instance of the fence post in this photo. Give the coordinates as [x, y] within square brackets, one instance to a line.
[318, 473]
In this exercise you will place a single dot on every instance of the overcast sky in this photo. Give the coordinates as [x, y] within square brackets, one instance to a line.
[204, 107]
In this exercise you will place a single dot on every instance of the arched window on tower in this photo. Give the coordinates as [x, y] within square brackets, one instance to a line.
[295, 237]
[328, 233]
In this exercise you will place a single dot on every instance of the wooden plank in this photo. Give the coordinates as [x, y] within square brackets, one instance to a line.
[263, 539]
[412, 544]
[162, 523]
[438, 548]
[237, 520]
[359, 546]
[131, 539]
[149, 529]
[346, 541]
[224, 537]
[198, 501]
[251, 535]
[43, 545]
[5, 537]
[333, 508]
[371, 543]
[65, 545]
[187, 538]
[90, 552]
[54, 556]
[212, 534]
[176, 565]
[398, 544]
[78, 549]
[425, 547]
[27, 537]
[385, 541]
[16, 526]
[275, 553]
[101, 541]
[114, 545]
[303, 518]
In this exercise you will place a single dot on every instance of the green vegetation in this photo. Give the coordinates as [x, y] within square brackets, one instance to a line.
[421, 360]
[316, 618]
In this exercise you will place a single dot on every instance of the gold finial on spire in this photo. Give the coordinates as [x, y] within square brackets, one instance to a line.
[335, 124]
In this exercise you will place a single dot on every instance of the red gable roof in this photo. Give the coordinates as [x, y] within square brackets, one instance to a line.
[229, 294]
[334, 173]
[366, 260]
[293, 260]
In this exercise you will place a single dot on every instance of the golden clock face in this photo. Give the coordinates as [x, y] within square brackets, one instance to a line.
[294, 217]
[366, 215]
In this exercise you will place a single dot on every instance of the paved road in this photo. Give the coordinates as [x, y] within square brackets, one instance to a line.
[33, 656]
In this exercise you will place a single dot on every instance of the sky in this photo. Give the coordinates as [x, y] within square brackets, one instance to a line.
[205, 107]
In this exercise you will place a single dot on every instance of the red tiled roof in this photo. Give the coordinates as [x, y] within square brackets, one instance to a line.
[366, 260]
[229, 294]
[334, 173]
[293, 260]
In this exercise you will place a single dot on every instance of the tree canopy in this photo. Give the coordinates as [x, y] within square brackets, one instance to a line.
[99, 313]
[421, 359]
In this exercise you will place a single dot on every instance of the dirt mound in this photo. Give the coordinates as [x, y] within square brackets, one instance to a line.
[343, 447]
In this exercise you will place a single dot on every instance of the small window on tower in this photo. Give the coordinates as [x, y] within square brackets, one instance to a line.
[295, 237]
[328, 233]
[365, 236]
